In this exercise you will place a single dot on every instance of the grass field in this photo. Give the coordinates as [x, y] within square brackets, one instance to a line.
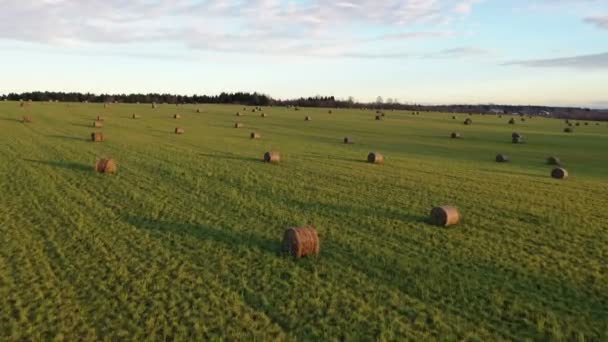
[184, 241]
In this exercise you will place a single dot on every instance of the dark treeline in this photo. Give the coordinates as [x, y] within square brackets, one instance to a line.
[252, 99]
[256, 99]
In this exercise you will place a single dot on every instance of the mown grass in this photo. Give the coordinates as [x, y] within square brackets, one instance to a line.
[184, 242]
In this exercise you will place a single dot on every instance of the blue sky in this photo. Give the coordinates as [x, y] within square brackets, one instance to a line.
[552, 52]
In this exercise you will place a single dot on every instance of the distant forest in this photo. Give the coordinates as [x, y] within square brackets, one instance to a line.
[257, 99]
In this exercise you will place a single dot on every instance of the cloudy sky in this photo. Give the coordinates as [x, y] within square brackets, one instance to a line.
[552, 52]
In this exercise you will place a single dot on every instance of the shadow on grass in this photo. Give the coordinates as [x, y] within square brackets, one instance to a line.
[228, 238]
[83, 125]
[232, 157]
[63, 164]
[10, 120]
[65, 137]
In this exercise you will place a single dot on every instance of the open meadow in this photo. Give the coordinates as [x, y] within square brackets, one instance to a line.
[184, 241]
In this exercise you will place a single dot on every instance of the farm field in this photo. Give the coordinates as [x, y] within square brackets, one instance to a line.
[184, 242]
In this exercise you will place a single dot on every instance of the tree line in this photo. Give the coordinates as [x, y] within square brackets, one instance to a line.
[257, 99]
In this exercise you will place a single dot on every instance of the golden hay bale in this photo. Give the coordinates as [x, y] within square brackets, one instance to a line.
[97, 124]
[238, 114]
[515, 135]
[348, 140]
[445, 216]
[308, 118]
[454, 117]
[512, 121]
[106, 166]
[97, 137]
[238, 125]
[263, 115]
[135, 116]
[272, 157]
[523, 119]
[300, 242]
[26, 119]
[378, 117]
[179, 130]
[100, 118]
[456, 135]
[375, 158]
[559, 173]
[198, 111]
[255, 135]
[502, 158]
[329, 112]
[468, 121]
[153, 105]
[553, 161]
[517, 140]
[177, 116]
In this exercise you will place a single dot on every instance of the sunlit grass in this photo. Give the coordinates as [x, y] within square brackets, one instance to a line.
[183, 243]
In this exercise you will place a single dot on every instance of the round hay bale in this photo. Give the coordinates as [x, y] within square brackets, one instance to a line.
[329, 112]
[153, 105]
[97, 137]
[378, 118]
[523, 119]
[255, 135]
[578, 124]
[26, 119]
[468, 121]
[502, 158]
[100, 118]
[97, 124]
[300, 242]
[445, 216]
[375, 158]
[263, 115]
[512, 121]
[238, 113]
[553, 161]
[308, 118]
[517, 140]
[179, 130]
[454, 117]
[500, 116]
[238, 125]
[586, 124]
[455, 135]
[135, 116]
[272, 157]
[559, 173]
[198, 111]
[348, 140]
[515, 135]
[106, 166]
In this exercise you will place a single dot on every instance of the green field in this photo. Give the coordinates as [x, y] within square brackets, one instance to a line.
[183, 243]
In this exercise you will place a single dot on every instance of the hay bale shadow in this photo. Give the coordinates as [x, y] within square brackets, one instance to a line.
[228, 238]
[63, 164]
[231, 157]
[65, 137]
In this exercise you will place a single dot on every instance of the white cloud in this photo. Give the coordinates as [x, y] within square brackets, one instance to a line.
[599, 21]
[585, 62]
[269, 26]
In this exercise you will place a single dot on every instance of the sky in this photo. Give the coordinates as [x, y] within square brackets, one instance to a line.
[542, 52]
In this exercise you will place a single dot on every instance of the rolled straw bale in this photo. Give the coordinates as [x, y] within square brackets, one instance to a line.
[445, 216]
[302, 241]
[468, 121]
[512, 121]
[378, 117]
[348, 140]
[455, 135]
[272, 157]
[375, 158]
[177, 116]
[97, 124]
[559, 173]
[502, 158]
[179, 130]
[26, 119]
[308, 118]
[263, 115]
[238, 125]
[255, 135]
[97, 137]
[106, 166]
[135, 116]
[100, 118]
